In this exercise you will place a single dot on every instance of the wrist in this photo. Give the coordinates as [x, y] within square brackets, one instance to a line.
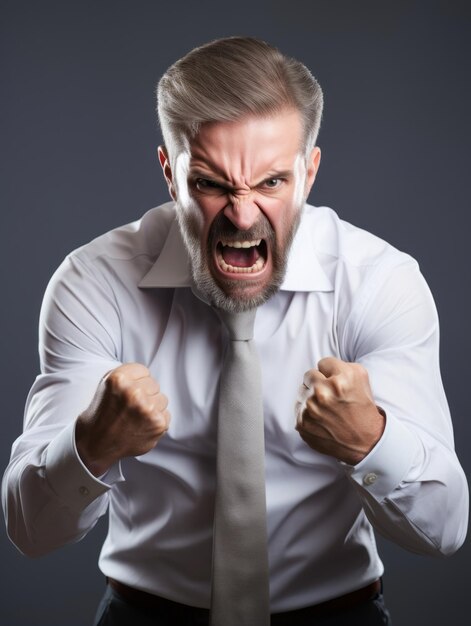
[377, 426]
[93, 461]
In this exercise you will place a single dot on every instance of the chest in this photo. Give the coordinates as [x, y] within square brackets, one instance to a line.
[181, 341]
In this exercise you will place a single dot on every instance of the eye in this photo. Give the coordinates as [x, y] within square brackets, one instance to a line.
[207, 186]
[272, 183]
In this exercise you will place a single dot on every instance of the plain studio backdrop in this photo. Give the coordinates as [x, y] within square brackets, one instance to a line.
[79, 136]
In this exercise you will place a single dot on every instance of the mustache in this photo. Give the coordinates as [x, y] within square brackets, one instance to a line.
[223, 228]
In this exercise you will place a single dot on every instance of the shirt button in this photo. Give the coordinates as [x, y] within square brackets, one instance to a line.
[83, 491]
[370, 478]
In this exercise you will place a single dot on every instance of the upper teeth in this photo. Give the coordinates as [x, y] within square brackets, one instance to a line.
[241, 244]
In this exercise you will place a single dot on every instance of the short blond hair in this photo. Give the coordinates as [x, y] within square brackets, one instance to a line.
[230, 78]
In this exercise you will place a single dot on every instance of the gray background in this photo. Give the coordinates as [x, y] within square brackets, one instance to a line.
[78, 137]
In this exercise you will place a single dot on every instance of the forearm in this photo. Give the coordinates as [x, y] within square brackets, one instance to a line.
[419, 498]
[414, 491]
[49, 497]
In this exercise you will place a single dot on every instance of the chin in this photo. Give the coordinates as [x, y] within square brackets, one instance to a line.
[236, 295]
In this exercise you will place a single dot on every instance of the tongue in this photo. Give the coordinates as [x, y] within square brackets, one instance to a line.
[240, 257]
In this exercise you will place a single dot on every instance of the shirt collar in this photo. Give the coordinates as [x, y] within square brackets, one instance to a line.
[303, 273]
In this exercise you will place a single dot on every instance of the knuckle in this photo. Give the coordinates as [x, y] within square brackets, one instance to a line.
[361, 371]
[306, 418]
[163, 401]
[134, 370]
[140, 370]
[161, 423]
[133, 398]
[324, 361]
[339, 384]
[308, 378]
[322, 395]
[310, 408]
[309, 416]
[298, 408]
[115, 379]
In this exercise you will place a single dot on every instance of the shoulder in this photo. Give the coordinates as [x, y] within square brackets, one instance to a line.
[123, 254]
[355, 261]
[380, 296]
[97, 284]
[372, 282]
[338, 242]
[146, 236]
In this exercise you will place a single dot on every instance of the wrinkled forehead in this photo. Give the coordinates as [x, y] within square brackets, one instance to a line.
[245, 148]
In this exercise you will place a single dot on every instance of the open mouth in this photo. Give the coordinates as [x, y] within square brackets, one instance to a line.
[241, 257]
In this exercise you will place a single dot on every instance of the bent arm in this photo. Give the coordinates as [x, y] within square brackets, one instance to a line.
[49, 497]
[411, 484]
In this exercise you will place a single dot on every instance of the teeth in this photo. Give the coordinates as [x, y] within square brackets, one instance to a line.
[256, 267]
[241, 244]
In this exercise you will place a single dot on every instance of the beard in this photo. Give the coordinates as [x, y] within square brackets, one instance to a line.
[234, 296]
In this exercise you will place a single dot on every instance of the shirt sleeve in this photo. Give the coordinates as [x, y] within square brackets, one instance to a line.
[412, 486]
[49, 497]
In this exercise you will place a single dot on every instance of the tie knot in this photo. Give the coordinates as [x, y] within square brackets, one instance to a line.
[239, 325]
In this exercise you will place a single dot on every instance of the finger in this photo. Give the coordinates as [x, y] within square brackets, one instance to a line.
[331, 366]
[166, 418]
[137, 401]
[138, 372]
[133, 371]
[159, 402]
[149, 385]
[313, 430]
[312, 380]
[121, 378]
[161, 423]
[146, 406]
[304, 393]
[306, 411]
[298, 412]
[311, 377]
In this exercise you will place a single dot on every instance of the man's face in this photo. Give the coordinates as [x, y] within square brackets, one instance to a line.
[240, 188]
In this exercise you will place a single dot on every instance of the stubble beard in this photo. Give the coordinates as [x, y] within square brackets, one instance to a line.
[226, 294]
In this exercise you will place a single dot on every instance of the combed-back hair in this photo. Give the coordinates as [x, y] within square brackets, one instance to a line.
[228, 79]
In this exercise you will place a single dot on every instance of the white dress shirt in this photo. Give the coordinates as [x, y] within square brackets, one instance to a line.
[125, 297]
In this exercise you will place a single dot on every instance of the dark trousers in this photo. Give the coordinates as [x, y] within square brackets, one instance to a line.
[115, 611]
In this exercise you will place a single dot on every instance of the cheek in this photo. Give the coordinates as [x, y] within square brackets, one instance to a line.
[193, 208]
[211, 206]
[202, 212]
[281, 212]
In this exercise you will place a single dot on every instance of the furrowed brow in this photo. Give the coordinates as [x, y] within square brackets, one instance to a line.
[196, 172]
[288, 174]
[210, 174]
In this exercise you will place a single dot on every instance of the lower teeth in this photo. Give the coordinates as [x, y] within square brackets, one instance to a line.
[256, 267]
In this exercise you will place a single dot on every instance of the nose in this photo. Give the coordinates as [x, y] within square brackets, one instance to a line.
[242, 211]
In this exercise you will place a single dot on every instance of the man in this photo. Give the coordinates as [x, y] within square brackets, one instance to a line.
[345, 330]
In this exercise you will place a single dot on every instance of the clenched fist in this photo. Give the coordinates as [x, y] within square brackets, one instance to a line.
[336, 413]
[127, 417]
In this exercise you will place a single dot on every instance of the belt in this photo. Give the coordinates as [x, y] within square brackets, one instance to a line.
[144, 600]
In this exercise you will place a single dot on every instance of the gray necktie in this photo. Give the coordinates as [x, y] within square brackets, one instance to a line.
[240, 594]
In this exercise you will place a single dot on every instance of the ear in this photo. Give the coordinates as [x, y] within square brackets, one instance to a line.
[312, 164]
[167, 170]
